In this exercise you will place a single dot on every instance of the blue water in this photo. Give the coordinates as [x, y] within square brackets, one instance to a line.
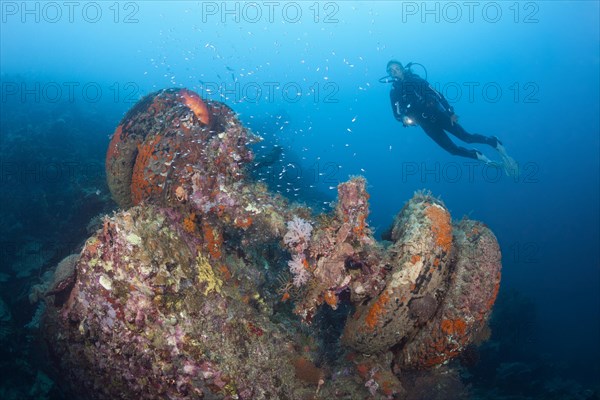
[306, 78]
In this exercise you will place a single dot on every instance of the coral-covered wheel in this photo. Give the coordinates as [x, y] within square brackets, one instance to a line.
[155, 146]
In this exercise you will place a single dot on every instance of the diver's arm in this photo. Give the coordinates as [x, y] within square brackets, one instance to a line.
[447, 106]
[425, 93]
[441, 99]
[397, 108]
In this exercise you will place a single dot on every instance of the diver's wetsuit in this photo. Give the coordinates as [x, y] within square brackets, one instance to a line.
[413, 97]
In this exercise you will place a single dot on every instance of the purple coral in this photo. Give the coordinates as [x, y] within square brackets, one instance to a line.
[298, 234]
[298, 268]
[297, 238]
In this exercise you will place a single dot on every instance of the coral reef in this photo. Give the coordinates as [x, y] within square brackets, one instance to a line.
[138, 287]
[172, 297]
[63, 278]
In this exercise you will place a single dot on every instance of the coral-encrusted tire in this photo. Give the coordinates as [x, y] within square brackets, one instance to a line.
[157, 140]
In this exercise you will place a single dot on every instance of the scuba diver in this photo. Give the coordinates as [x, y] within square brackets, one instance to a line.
[415, 102]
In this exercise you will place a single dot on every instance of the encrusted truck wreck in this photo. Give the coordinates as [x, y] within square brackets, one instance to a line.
[190, 290]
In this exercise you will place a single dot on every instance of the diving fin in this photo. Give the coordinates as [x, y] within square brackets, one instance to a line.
[490, 163]
[511, 167]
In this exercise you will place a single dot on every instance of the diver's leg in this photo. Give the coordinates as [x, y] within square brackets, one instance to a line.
[457, 130]
[436, 132]
[510, 165]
